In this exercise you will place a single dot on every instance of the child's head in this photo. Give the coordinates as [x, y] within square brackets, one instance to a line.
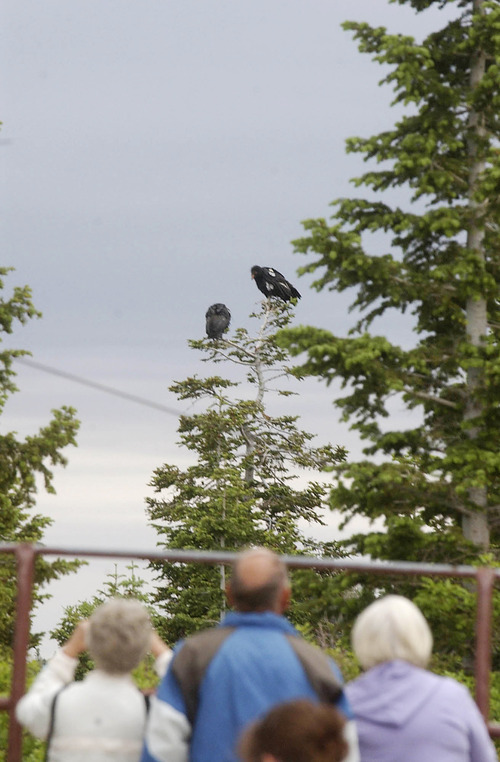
[296, 731]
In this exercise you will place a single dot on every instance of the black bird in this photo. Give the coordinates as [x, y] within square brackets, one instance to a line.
[273, 283]
[218, 318]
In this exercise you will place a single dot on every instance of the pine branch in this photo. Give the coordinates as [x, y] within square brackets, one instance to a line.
[431, 398]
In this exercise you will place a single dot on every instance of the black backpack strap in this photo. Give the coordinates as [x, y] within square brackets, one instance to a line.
[51, 723]
[191, 662]
[317, 668]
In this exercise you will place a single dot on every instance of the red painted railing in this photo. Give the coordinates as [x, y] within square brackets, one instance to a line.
[26, 554]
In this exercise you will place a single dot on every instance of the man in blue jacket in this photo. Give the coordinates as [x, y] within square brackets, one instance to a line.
[223, 678]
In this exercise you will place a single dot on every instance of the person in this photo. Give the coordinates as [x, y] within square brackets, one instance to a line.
[296, 731]
[402, 710]
[223, 678]
[103, 716]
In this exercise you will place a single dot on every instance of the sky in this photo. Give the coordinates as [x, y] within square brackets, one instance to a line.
[152, 152]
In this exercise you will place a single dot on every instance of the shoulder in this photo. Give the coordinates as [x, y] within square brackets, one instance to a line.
[188, 666]
[207, 641]
[452, 690]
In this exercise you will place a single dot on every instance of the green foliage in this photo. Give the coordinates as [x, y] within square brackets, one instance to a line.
[24, 465]
[432, 484]
[450, 609]
[243, 485]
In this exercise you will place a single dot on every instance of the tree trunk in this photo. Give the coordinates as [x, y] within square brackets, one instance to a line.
[475, 525]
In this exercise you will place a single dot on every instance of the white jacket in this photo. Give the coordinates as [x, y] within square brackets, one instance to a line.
[101, 718]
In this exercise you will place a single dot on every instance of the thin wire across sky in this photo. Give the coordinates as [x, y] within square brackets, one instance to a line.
[99, 387]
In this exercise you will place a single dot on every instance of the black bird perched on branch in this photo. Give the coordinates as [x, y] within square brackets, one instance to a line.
[273, 283]
[218, 318]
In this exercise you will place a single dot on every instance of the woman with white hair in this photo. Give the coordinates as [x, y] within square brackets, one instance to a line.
[403, 711]
[101, 718]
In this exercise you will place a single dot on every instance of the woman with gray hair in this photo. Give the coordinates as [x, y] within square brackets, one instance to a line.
[102, 717]
[403, 711]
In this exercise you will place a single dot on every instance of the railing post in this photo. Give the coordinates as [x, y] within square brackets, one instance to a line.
[485, 583]
[25, 558]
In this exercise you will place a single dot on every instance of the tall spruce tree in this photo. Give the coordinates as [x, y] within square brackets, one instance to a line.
[436, 483]
[24, 463]
[242, 486]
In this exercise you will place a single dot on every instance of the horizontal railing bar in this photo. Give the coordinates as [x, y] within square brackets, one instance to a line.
[296, 562]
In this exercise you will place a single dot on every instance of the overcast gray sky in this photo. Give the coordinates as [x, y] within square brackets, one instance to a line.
[153, 151]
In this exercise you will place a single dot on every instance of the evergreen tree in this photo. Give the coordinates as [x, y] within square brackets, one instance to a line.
[243, 487]
[22, 464]
[436, 483]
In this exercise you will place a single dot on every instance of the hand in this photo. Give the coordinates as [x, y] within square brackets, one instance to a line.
[157, 646]
[77, 643]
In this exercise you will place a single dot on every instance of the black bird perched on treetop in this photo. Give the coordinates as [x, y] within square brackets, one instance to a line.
[218, 318]
[273, 283]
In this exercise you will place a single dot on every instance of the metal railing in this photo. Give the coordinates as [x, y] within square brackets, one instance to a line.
[26, 554]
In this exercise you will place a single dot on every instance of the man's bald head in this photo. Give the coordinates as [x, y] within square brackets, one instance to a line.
[259, 582]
